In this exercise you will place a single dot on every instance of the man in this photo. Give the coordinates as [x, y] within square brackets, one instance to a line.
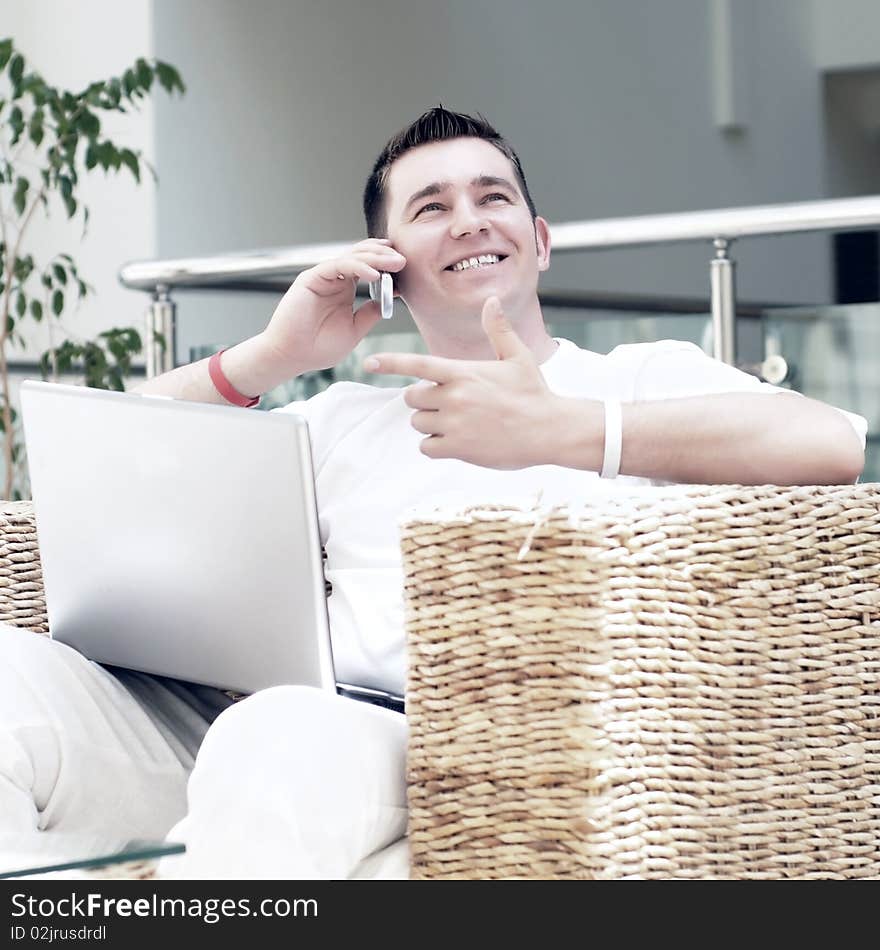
[296, 783]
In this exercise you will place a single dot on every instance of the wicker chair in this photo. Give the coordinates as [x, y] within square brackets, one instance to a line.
[684, 683]
[22, 601]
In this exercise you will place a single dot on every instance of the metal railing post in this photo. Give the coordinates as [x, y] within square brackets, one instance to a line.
[161, 332]
[722, 272]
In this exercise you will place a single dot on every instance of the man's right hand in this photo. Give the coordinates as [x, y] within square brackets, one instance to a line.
[315, 326]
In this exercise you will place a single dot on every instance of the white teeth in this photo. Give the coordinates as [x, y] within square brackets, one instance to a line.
[480, 261]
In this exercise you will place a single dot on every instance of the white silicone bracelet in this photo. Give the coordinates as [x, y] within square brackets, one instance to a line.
[613, 439]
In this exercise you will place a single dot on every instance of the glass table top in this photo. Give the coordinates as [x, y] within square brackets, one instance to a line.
[47, 853]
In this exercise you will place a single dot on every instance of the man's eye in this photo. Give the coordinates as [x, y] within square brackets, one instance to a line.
[496, 195]
[428, 207]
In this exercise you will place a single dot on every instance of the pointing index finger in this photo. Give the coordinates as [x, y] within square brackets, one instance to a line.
[436, 368]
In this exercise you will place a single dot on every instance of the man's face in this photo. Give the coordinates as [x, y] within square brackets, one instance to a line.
[449, 203]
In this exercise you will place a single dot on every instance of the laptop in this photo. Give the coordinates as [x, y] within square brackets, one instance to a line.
[181, 539]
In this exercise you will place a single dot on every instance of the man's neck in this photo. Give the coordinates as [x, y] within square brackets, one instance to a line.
[462, 343]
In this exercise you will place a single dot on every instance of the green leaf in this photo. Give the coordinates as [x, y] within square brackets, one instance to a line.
[117, 348]
[55, 106]
[16, 68]
[91, 156]
[114, 93]
[16, 124]
[93, 94]
[33, 84]
[57, 303]
[35, 127]
[39, 91]
[5, 52]
[60, 273]
[70, 205]
[36, 310]
[19, 198]
[66, 186]
[10, 324]
[23, 268]
[144, 74]
[71, 140]
[169, 77]
[83, 289]
[104, 151]
[89, 124]
[130, 160]
[46, 280]
[20, 305]
[129, 82]
[65, 355]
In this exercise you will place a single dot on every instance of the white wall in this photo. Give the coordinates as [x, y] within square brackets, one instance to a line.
[72, 44]
[609, 103]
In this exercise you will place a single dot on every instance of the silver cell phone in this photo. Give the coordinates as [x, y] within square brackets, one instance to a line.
[383, 291]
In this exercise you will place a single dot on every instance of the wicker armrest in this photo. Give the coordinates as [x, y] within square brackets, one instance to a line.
[22, 601]
[684, 683]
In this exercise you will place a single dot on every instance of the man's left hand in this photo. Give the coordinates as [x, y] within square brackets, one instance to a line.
[495, 413]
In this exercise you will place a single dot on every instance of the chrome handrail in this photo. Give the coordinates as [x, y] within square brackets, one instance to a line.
[720, 226]
[835, 214]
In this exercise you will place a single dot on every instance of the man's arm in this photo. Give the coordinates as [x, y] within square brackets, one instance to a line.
[733, 438]
[501, 414]
[313, 327]
[251, 367]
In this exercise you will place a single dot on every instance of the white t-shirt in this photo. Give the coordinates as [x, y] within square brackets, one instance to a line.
[369, 472]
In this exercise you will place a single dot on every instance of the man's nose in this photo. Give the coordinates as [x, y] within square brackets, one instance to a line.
[467, 219]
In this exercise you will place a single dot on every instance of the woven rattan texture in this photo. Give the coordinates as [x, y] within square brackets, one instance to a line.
[681, 683]
[22, 602]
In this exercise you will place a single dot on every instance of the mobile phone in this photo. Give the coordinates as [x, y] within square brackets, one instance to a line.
[383, 291]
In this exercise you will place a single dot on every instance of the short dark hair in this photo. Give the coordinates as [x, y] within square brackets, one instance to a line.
[435, 125]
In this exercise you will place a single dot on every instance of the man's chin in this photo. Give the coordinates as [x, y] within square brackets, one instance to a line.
[475, 299]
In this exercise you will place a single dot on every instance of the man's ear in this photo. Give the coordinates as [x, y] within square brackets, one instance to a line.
[542, 243]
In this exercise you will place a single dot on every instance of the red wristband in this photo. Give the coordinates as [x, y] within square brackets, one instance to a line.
[224, 387]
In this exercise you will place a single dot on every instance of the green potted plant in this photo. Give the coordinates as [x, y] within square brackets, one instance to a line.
[49, 139]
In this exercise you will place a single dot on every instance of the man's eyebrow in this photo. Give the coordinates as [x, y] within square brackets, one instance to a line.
[435, 188]
[438, 187]
[492, 181]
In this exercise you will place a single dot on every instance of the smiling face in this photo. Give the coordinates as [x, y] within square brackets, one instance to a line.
[455, 211]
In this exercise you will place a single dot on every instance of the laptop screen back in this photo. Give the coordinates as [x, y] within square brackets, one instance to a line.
[179, 538]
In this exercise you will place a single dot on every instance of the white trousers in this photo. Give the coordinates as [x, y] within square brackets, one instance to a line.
[290, 783]
[293, 782]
